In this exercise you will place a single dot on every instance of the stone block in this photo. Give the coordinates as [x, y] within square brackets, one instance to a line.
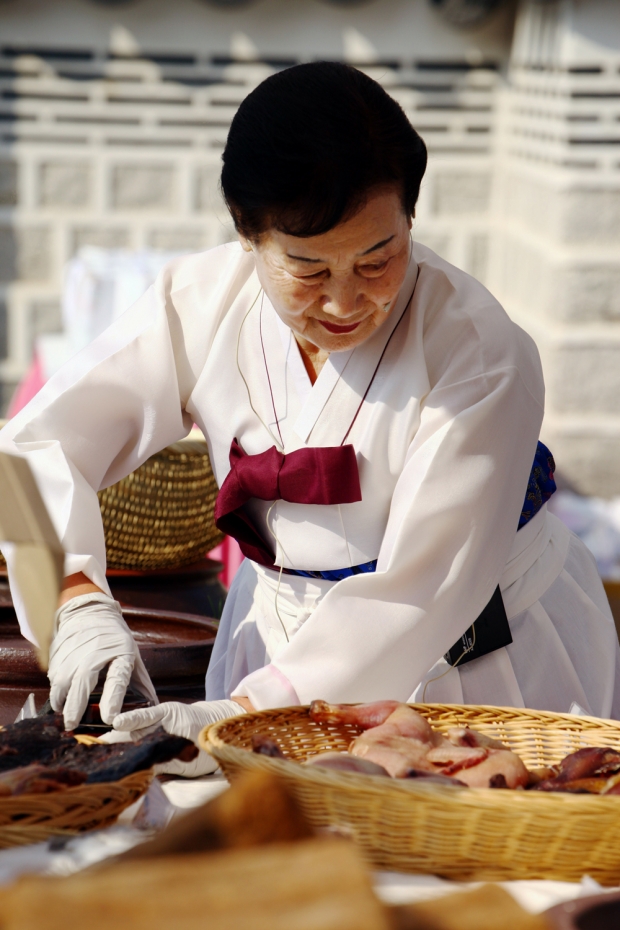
[478, 256]
[7, 389]
[583, 379]
[25, 253]
[586, 463]
[110, 237]
[458, 192]
[4, 331]
[564, 214]
[64, 184]
[44, 316]
[591, 215]
[435, 241]
[207, 194]
[587, 293]
[142, 187]
[8, 183]
[177, 240]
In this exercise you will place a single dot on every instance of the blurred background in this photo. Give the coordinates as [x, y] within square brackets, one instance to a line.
[113, 117]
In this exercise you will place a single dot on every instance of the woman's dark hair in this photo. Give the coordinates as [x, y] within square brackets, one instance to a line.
[307, 146]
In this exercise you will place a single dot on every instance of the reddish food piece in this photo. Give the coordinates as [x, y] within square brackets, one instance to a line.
[396, 754]
[435, 779]
[265, 746]
[498, 762]
[362, 715]
[345, 762]
[592, 760]
[463, 736]
[400, 740]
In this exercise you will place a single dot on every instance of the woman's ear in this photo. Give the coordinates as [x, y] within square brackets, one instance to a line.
[246, 245]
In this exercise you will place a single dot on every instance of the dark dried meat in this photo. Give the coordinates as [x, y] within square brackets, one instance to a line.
[40, 739]
[42, 742]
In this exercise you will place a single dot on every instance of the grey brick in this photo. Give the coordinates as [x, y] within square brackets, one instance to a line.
[177, 240]
[584, 379]
[207, 194]
[587, 463]
[25, 253]
[64, 183]
[479, 256]
[591, 215]
[7, 389]
[458, 192]
[142, 187]
[111, 237]
[45, 316]
[4, 331]
[8, 183]
[588, 293]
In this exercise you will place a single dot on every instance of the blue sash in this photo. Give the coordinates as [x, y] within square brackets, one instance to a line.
[540, 487]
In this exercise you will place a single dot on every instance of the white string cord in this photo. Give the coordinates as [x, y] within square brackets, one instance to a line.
[462, 655]
[247, 386]
[275, 603]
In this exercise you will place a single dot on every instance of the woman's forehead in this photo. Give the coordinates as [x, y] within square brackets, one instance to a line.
[378, 223]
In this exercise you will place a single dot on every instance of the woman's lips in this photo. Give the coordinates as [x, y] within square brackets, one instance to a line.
[334, 328]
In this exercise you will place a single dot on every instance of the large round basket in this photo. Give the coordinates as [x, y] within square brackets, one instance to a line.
[31, 818]
[459, 833]
[161, 515]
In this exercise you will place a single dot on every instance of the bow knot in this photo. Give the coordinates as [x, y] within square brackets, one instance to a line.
[324, 475]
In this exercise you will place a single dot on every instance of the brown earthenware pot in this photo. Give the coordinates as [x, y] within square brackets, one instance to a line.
[176, 648]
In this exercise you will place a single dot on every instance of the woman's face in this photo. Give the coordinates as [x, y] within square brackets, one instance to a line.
[336, 289]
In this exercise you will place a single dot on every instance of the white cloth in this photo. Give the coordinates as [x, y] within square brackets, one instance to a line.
[547, 585]
[444, 441]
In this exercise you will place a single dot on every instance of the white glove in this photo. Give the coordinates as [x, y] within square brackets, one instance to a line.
[90, 634]
[181, 720]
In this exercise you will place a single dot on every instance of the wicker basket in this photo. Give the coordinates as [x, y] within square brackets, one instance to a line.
[161, 515]
[31, 818]
[459, 833]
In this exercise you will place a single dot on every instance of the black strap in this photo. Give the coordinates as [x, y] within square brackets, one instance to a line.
[489, 632]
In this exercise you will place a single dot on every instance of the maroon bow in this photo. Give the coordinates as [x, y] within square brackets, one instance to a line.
[327, 475]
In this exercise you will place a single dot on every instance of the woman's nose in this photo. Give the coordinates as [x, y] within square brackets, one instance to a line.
[343, 298]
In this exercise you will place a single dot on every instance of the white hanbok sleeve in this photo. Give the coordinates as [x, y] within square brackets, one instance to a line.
[452, 523]
[104, 413]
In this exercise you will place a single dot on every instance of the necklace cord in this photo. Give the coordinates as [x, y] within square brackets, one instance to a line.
[247, 386]
[374, 374]
[273, 402]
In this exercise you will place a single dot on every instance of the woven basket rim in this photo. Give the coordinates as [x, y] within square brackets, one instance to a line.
[210, 740]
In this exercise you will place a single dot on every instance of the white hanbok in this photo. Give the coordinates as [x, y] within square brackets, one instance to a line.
[444, 440]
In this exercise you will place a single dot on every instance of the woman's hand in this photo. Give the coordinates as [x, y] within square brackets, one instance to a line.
[90, 635]
[185, 720]
[246, 704]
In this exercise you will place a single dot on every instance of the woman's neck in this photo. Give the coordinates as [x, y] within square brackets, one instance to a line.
[313, 357]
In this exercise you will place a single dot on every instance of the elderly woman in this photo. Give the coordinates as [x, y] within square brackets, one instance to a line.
[372, 416]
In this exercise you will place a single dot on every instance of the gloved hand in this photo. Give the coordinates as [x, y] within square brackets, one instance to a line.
[182, 720]
[90, 634]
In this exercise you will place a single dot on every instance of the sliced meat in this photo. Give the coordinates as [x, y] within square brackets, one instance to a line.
[464, 736]
[498, 762]
[364, 716]
[345, 762]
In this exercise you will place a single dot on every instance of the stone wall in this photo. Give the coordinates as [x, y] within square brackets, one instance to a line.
[556, 256]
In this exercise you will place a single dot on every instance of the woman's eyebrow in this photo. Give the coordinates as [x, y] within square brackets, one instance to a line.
[321, 261]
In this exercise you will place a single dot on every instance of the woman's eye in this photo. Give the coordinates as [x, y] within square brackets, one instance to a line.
[375, 268]
[310, 277]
